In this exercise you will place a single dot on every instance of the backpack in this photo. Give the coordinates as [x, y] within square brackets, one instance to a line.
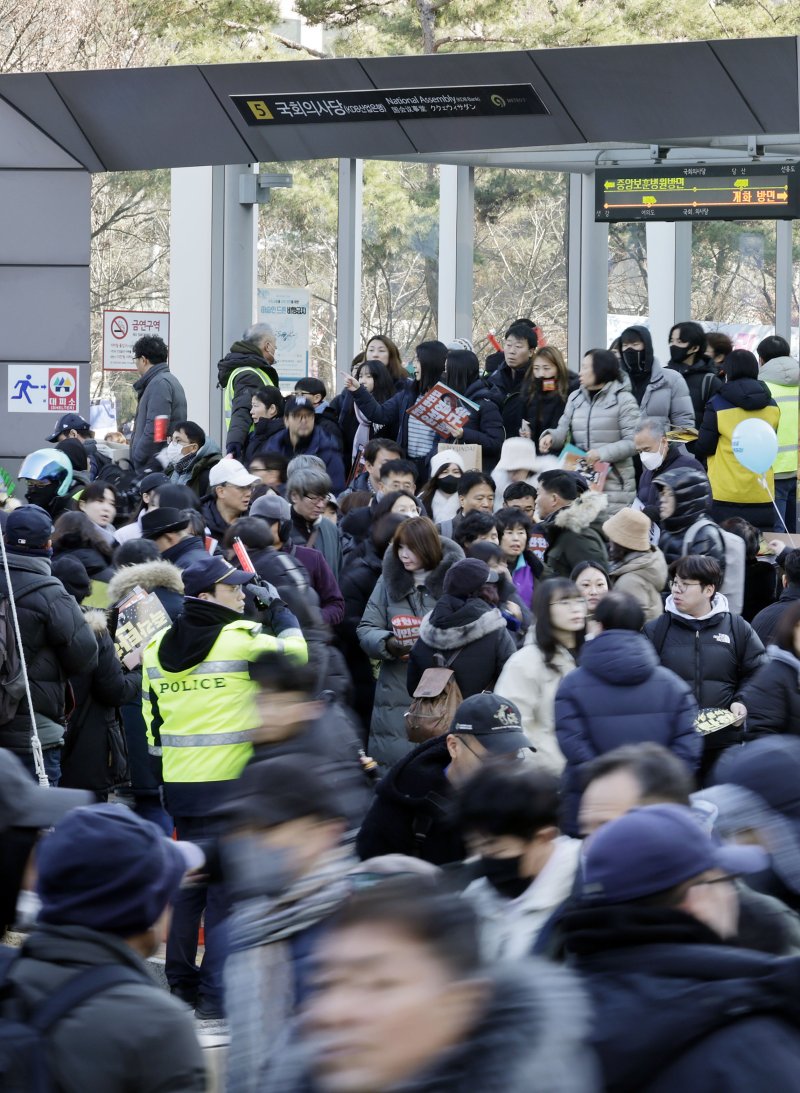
[434, 702]
[733, 576]
[12, 681]
[25, 1034]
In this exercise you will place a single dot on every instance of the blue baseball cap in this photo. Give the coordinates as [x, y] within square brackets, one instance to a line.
[202, 576]
[652, 849]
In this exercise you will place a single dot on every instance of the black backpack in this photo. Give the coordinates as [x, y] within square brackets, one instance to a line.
[25, 1034]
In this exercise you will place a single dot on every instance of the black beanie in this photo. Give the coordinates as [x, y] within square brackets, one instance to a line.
[75, 453]
[740, 364]
[72, 574]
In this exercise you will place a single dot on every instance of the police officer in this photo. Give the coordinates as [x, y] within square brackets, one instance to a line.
[200, 711]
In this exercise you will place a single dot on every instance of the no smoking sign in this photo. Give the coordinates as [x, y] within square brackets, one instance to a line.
[122, 330]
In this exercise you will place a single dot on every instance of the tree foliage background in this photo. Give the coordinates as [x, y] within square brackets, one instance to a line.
[520, 217]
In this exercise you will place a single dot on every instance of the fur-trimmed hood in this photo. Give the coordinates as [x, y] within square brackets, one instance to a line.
[148, 575]
[454, 623]
[583, 511]
[531, 1035]
[96, 620]
[399, 582]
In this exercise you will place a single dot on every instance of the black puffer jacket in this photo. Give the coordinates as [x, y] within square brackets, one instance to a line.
[130, 1036]
[676, 1009]
[95, 752]
[772, 696]
[703, 382]
[262, 433]
[508, 383]
[474, 630]
[692, 504]
[485, 425]
[57, 642]
[716, 656]
[411, 811]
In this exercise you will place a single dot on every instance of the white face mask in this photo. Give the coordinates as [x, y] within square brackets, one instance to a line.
[174, 452]
[28, 907]
[651, 461]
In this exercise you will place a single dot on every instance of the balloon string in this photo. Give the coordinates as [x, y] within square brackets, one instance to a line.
[763, 480]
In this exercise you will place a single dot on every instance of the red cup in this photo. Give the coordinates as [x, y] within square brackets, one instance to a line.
[160, 428]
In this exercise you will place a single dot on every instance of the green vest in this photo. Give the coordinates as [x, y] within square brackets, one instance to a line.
[228, 396]
[787, 400]
[207, 713]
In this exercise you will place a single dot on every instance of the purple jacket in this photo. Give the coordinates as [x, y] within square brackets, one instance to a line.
[320, 575]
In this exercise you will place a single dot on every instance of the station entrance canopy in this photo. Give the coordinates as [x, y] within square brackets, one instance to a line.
[571, 110]
[594, 98]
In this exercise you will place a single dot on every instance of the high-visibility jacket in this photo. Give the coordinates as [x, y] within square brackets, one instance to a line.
[229, 393]
[787, 400]
[203, 718]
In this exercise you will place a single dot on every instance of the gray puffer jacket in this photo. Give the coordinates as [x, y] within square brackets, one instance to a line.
[667, 396]
[607, 424]
[159, 394]
[395, 594]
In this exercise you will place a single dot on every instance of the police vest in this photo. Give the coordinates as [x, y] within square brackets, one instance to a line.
[203, 718]
[787, 400]
[228, 397]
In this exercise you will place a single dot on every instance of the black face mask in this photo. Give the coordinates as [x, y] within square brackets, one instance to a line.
[448, 483]
[43, 496]
[503, 875]
[678, 354]
[635, 360]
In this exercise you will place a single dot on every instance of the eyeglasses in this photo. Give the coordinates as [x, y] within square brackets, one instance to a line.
[677, 586]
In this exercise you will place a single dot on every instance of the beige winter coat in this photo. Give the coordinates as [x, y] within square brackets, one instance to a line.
[642, 575]
[531, 685]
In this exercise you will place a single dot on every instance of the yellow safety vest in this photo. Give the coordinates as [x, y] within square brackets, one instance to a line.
[207, 713]
[228, 397]
[787, 400]
[730, 481]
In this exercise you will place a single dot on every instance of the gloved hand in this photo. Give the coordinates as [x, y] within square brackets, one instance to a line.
[265, 594]
[396, 648]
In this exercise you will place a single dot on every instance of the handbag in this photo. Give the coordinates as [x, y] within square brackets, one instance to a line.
[435, 701]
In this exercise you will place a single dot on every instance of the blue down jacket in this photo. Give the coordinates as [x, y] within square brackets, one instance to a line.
[620, 694]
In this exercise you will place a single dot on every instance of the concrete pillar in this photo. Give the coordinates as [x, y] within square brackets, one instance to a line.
[45, 225]
[348, 266]
[456, 246]
[783, 279]
[212, 280]
[669, 280]
[587, 271]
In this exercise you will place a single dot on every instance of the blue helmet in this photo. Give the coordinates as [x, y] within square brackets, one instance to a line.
[48, 465]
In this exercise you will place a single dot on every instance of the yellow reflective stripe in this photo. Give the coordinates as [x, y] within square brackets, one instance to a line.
[205, 739]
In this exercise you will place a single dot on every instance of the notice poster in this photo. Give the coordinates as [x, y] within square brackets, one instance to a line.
[288, 312]
[443, 410]
[122, 329]
[574, 459]
[139, 616]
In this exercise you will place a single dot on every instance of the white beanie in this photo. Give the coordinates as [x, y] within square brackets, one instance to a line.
[460, 343]
[441, 459]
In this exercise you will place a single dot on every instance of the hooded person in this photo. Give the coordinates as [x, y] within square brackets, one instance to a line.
[660, 392]
[464, 631]
[737, 491]
[518, 463]
[241, 373]
[686, 527]
[636, 567]
[439, 496]
[56, 639]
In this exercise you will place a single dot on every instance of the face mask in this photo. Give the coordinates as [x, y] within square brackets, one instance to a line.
[678, 354]
[503, 875]
[173, 452]
[255, 871]
[634, 360]
[42, 495]
[448, 483]
[651, 461]
[28, 907]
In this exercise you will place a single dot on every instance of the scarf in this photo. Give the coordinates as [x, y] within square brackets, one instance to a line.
[361, 439]
[260, 977]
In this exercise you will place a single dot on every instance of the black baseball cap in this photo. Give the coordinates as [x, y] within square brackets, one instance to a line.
[494, 721]
[67, 422]
[202, 576]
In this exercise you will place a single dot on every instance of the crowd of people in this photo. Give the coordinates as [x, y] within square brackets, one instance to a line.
[444, 757]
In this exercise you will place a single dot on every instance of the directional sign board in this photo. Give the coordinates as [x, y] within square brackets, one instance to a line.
[42, 389]
[122, 329]
[753, 191]
[402, 104]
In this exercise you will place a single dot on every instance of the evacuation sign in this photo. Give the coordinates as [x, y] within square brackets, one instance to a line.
[62, 390]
